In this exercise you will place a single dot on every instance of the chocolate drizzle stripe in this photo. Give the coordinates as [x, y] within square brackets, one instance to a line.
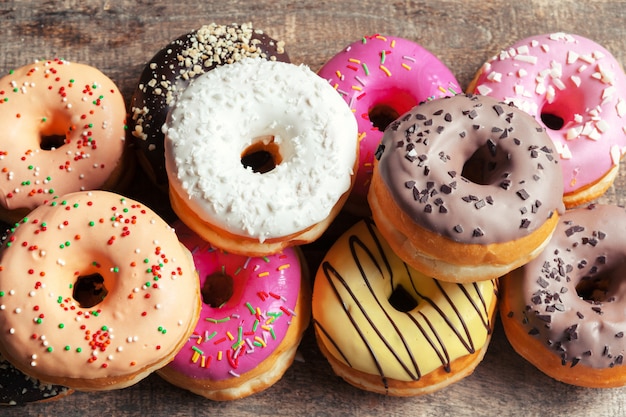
[361, 252]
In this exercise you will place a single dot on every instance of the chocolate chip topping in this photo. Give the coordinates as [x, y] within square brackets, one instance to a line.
[171, 70]
[502, 164]
[576, 285]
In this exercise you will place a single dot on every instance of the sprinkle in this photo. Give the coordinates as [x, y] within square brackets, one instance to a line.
[385, 70]
[367, 71]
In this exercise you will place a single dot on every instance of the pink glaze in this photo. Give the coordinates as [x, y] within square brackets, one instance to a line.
[384, 71]
[234, 338]
[575, 79]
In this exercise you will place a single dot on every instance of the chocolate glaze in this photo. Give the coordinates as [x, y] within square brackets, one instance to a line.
[171, 70]
[588, 252]
[17, 388]
[472, 169]
[368, 248]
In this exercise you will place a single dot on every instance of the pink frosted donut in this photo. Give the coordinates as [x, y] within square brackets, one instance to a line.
[381, 78]
[254, 312]
[575, 88]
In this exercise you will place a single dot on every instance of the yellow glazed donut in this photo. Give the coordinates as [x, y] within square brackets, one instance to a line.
[96, 292]
[386, 328]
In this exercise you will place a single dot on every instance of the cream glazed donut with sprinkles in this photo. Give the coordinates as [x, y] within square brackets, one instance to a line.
[63, 131]
[96, 292]
[254, 313]
[381, 78]
[574, 88]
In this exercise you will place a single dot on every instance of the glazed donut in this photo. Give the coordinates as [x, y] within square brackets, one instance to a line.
[254, 313]
[252, 106]
[96, 292]
[575, 89]
[17, 388]
[466, 188]
[172, 69]
[564, 311]
[382, 77]
[387, 328]
[63, 131]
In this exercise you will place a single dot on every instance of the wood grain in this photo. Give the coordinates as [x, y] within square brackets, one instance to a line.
[119, 36]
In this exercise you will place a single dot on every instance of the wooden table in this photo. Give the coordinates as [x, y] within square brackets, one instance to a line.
[119, 36]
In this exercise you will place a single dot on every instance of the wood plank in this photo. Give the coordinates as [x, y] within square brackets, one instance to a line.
[120, 36]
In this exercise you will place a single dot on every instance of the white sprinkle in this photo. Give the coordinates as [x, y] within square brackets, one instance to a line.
[526, 58]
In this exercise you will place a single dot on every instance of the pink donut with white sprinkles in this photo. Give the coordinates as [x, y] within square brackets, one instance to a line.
[575, 89]
[381, 78]
[254, 312]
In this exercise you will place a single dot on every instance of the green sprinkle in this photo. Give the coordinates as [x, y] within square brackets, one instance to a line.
[79, 349]
[212, 335]
[31, 167]
[197, 349]
[44, 119]
[92, 223]
[76, 205]
[367, 71]
[1, 293]
[223, 320]
[252, 311]
[104, 328]
[116, 269]
[49, 349]
[162, 330]
[145, 261]
[61, 325]
[266, 259]
[67, 347]
[59, 299]
[39, 320]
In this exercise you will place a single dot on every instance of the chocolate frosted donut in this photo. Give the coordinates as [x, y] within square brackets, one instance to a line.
[17, 388]
[466, 188]
[564, 311]
[171, 70]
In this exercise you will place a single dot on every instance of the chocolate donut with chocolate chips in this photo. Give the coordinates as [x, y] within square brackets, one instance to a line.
[564, 311]
[171, 70]
[466, 188]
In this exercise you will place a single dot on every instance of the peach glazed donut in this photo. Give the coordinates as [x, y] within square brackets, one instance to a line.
[387, 328]
[96, 292]
[172, 69]
[564, 311]
[466, 188]
[248, 107]
[254, 313]
[577, 90]
[63, 131]
[382, 77]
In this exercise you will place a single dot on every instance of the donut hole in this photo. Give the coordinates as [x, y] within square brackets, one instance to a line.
[381, 116]
[262, 156]
[562, 110]
[217, 289]
[487, 165]
[402, 300]
[89, 290]
[600, 287]
[391, 104]
[51, 142]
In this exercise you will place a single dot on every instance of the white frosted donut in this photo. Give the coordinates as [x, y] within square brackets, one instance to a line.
[255, 109]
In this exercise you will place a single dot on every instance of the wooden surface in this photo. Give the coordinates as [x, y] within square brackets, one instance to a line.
[119, 36]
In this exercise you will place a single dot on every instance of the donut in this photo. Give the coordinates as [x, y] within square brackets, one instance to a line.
[172, 69]
[257, 106]
[466, 188]
[387, 328]
[575, 89]
[96, 292]
[382, 77]
[64, 131]
[254, 312]
[564, 311]
[16, 388]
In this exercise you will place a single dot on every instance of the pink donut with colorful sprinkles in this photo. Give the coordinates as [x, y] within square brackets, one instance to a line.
[254, 312]
[381, 78]
[576, 90]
